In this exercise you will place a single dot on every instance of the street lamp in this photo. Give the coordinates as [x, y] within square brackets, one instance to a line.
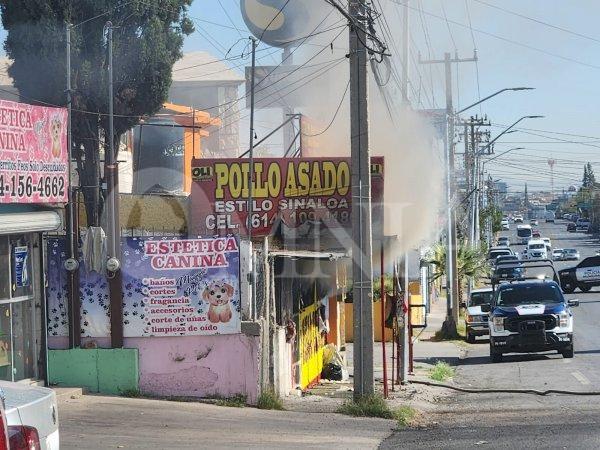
[507, 130]
[493, 95]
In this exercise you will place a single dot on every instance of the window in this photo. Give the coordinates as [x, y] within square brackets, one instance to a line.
[17, 289]
[4, 269]
[590, 262]
[528, 295]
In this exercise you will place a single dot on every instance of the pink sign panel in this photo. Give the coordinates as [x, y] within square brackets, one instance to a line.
[33, 154]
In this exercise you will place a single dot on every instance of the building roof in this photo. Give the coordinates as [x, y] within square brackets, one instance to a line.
[203, 67]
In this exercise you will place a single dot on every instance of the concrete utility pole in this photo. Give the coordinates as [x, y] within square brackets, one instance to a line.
[250, 222]
[362, 270]
[452, 286]
[72, 232]
[111, 174]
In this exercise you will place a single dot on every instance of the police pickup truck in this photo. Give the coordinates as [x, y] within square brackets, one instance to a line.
[584, 275]
[530, 314]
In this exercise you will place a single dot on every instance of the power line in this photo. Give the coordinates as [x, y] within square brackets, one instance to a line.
[505, 39]
[541, 22]
[334, 115]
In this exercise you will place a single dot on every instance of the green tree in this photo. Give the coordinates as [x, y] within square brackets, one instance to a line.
[471, 263]
[148, 38]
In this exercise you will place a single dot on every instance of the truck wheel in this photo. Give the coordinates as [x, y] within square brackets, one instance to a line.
[568, 352]
[495, 355]
[470, 338]
[568, 287]
[585, 288]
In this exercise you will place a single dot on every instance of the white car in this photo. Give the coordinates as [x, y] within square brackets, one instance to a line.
[32, 407]
[505, 224]
[557, 254]
[477, 320]
[536, 249]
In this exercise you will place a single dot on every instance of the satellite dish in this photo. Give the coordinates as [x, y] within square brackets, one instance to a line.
[280, 24]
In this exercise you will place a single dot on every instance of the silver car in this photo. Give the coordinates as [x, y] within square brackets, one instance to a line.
[570, 254]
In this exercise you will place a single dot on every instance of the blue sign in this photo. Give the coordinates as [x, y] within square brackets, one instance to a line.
[20, 256]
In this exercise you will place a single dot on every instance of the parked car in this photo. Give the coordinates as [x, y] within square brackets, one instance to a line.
[503, 241]
[582, 225]
[534, 222]
[558, 254]
[570, 254]
[476, 320]
[32, 416]
[571, 227]
[584, 275]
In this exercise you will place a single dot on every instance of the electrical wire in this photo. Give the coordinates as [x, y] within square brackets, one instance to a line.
[505, 39]
[334, 115]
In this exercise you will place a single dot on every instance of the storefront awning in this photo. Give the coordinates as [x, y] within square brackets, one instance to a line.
[29, 222]
[331, 256]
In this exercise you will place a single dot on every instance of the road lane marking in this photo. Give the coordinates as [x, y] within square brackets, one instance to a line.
[579, 377]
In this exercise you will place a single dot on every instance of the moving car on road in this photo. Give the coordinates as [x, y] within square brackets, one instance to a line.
[584, 275]
[476, 320]
[536, 249]
[570, 254]
[498, 251]
[557, 254]
[550, 216]
[518, 218]
[534, 222]
[524, 233]
[505, 224]
[530, 316]
[571, 227]
[503, 241]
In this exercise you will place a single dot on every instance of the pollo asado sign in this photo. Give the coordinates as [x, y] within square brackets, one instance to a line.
[293, 190]
[33, 154]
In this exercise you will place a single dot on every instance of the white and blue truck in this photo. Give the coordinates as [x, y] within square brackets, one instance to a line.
[530, 314]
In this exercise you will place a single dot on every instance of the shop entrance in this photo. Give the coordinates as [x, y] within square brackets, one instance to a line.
[19, 288]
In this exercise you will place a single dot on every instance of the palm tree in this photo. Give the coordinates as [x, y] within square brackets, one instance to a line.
[470, 263]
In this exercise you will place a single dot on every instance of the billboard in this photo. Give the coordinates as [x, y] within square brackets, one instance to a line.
[293, 191]
[171, 287]
[33, 154]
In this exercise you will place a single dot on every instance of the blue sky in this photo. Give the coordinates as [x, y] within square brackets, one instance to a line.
[513, 51]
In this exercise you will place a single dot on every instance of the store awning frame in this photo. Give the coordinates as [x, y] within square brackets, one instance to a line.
[29, 222]
[306, 254]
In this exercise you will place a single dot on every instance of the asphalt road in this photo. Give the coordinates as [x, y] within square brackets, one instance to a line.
[524, 420]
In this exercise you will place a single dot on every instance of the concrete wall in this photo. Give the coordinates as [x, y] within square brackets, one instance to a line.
[109, 371]
[188, 366]
[199, 366]
[282, 359]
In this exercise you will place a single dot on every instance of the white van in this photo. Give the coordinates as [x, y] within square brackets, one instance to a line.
[524, 233]
[536, 249]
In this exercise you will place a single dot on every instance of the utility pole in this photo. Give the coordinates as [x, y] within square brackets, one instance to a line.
[251, 193]
[362, 270]
[405, 50]
[452, 286]
[111, 173]
[72, 264]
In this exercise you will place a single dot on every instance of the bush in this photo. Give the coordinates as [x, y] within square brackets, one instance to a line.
[237, 401]
[376, 406]
[269, 400]
[441, 371]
